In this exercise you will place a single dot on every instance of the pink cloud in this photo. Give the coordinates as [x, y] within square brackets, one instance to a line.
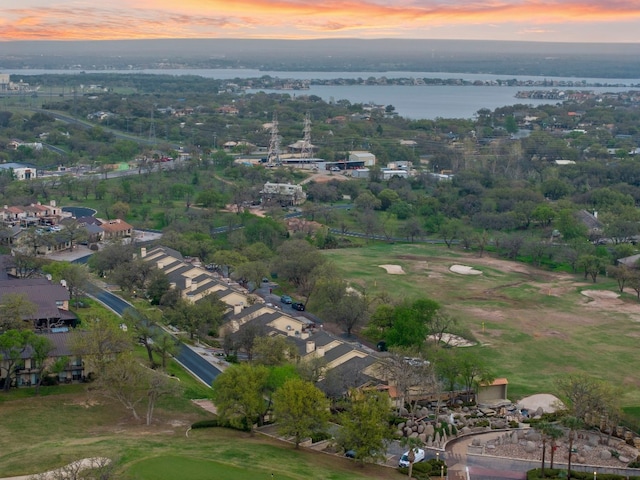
[297, 18]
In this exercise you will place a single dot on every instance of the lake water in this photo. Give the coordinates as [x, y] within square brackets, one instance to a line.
[414, 102]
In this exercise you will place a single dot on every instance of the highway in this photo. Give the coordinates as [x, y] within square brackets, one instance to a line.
[190, 360]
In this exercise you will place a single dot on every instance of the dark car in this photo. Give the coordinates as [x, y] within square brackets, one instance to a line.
[298, 306]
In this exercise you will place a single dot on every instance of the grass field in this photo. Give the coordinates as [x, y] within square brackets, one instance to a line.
[532, 325]
[71, 422]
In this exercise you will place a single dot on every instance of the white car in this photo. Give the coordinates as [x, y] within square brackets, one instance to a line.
[404, 459]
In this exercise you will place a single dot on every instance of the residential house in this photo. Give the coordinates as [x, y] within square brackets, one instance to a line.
[114, 229]
[51, 300]
[20, 171]
[28, 371]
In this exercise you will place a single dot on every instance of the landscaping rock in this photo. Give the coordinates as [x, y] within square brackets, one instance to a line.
[530, 447]
[605, 455]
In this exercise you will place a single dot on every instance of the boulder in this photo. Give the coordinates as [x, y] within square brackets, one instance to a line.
[422, 437]
[421, 428]
[413, 435]
[605, 454]
[401, 425]
[530, 447]
[429, 430]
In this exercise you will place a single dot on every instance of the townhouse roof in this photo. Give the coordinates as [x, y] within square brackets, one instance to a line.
[337, 352]
[631, 261]
[40, 291]
[166, 251]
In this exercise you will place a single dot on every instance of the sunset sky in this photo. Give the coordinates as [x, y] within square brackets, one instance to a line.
[523, 20]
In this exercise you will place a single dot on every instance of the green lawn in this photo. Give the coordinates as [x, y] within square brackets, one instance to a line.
[172, 467]
[533, 325]
[73, 422]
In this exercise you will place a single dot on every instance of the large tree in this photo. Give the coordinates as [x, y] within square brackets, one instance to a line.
[15, 308]
[100, 342]
[13, 343]
[300, 409]
[365, 425]
[238, 393]
[299, 263]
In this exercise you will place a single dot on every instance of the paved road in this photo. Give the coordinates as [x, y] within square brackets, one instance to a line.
[461, 466]
[202, 368]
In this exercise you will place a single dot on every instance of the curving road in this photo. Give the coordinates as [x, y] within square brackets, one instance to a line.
[200, 368]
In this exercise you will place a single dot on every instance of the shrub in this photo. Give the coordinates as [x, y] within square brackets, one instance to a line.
[426, 470]
[320, 436]
[218, 422]
[213, 422]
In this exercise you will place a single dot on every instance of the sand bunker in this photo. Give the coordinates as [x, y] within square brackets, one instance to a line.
[599, 294]
[453, 340]
[393, 269]
[464, 270]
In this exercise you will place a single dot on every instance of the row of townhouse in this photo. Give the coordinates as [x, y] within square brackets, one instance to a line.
[353, 364]
[193, 281]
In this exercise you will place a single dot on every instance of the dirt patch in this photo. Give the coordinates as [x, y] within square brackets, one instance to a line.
[206, 405]
[393, 269]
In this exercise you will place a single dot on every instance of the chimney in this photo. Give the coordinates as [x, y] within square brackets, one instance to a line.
[194, 285]
[237, 309]
[143, 252]
[311, 346]
[160, 264]
[320, 352]
[52, 203]
[187, 283]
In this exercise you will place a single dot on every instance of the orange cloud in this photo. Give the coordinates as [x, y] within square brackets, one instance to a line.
[295, 18]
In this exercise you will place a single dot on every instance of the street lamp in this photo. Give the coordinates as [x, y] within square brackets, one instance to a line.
[595, 475]
[441, 471]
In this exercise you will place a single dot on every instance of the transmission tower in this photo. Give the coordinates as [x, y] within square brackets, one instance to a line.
[307, 150]
[152, 128]
[273, 157]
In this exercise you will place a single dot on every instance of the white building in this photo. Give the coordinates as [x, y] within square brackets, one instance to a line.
[4, 82]
[367, 158]
[20, 171]
[285, 193]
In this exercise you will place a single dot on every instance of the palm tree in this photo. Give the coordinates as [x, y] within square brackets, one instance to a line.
[573, 424]
[550, 432]
[412, 443]
[542, 427]
[554, 433]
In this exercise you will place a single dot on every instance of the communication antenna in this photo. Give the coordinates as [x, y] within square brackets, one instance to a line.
[152, 127]
[307, 149]
[273, 157]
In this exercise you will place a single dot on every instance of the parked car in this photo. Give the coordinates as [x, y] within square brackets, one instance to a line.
[286, 299]
[298, 306]
[350, 454]
[404, 459]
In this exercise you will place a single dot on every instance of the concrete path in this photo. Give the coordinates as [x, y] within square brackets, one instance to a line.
[461, 467]
[66, 471]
